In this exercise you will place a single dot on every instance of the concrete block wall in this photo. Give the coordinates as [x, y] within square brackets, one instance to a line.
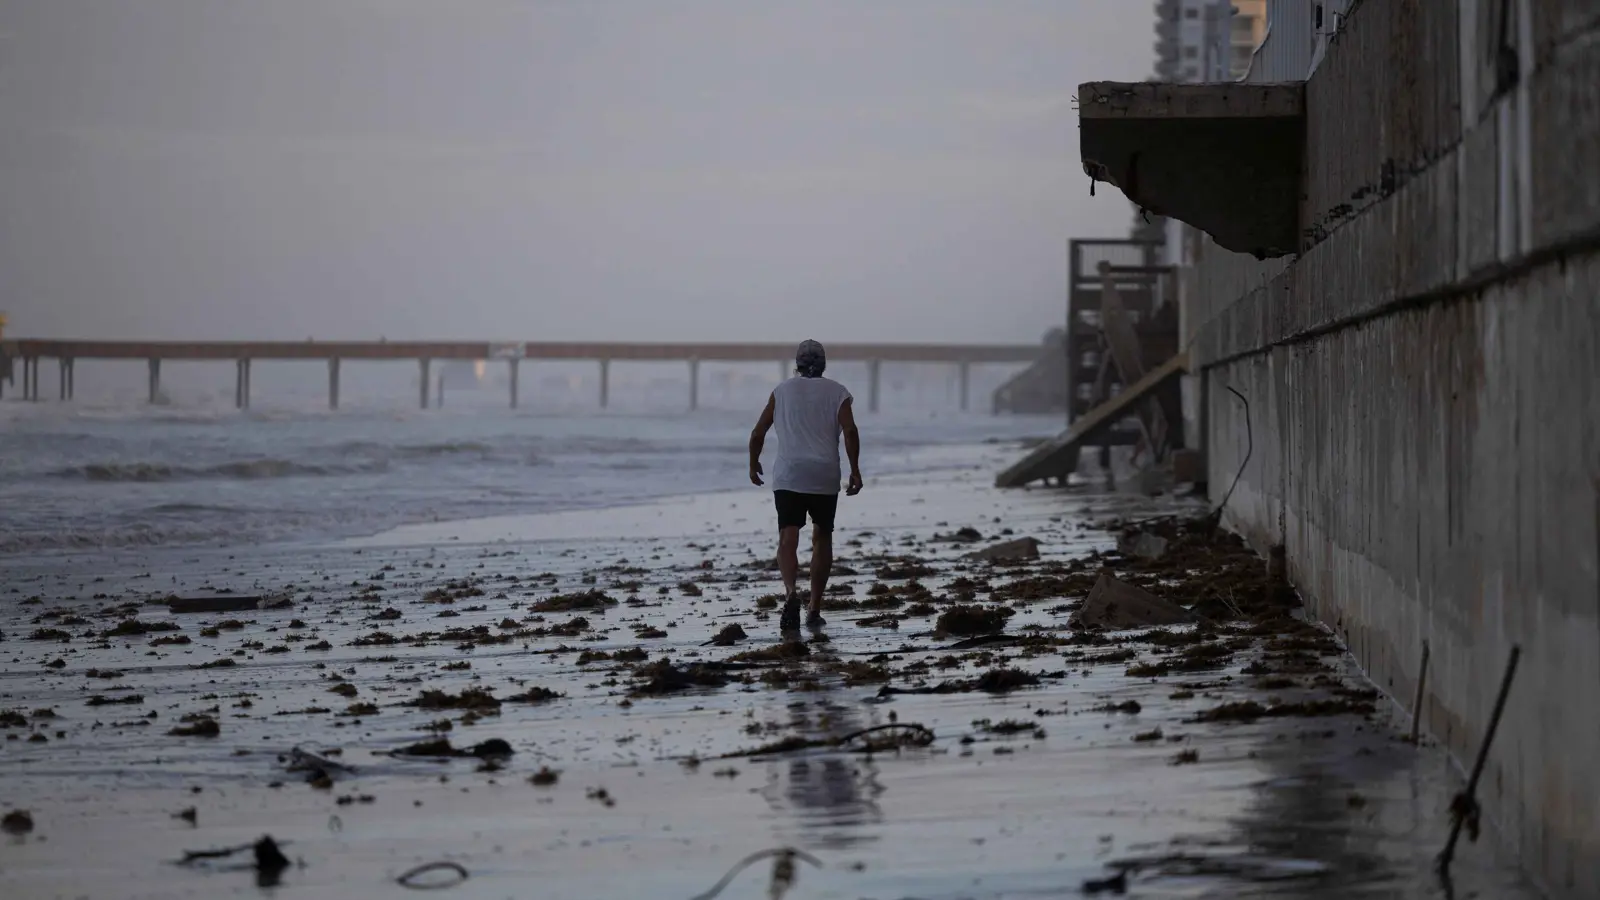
[1424, 390]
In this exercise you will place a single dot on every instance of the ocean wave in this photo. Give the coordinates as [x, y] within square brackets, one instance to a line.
[449, 448]
[434, 450]
[189, 508]
[237, 470]
[100, 539]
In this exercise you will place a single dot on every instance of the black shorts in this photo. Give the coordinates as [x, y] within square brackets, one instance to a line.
[793, 508]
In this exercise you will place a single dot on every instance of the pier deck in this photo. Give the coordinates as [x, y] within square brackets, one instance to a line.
[29, 351]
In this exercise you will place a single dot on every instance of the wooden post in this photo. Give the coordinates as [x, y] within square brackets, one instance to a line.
[155, 379]
[966, 375]
[27, 378]
[422, 395]
[874, 367]
[439, 397]
[605, 382]
[333, 383]
[513, 377]
[694, 384]
[62, 365]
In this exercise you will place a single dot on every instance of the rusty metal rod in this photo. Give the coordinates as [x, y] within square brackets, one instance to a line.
[1457, 821]
[1416, 705]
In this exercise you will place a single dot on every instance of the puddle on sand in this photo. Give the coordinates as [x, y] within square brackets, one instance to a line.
[1331, 806]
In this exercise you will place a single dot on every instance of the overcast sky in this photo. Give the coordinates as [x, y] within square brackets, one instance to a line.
[533, 169]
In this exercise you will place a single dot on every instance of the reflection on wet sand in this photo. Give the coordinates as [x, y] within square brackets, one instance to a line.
[832, 795]
[1337, 812]
[1024, 791]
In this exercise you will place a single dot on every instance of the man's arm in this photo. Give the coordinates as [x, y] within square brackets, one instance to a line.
[758, 437]
[852, 445]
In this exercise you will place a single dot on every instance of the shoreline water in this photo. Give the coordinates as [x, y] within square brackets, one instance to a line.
[1332, 806]
[78, 484]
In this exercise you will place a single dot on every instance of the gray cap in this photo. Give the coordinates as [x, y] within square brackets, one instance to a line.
[810, 359]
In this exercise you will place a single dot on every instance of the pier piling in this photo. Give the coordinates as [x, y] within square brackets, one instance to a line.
[422, 382]
[512, 377]
[694, 384]
[605, 382]
[333, 383]
[155, 379]
[241, 384]
[966, 382]
[874, 368]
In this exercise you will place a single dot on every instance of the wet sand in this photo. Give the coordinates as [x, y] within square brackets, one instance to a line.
[1326, 806]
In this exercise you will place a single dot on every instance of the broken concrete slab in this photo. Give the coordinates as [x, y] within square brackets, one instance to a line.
[1225, 158]
[1019, 549]
[226, 604]
[1142, 544]
[1152, 481]
[1114, 603]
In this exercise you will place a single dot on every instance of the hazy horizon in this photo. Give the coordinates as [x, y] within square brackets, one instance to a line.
[514, 169]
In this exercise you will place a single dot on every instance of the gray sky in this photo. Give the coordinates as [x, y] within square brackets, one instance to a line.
[532, 169]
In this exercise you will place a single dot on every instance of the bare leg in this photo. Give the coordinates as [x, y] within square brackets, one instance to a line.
[821, 565]
[789, 557]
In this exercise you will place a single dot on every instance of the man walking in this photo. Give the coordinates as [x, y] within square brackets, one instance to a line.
[811, 413]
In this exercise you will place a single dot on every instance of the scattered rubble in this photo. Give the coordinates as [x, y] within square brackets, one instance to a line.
[964, 620]
[476, 699]
[662, 677]
[197, 726]
[18, 821]
[583, 600]
[728, 636]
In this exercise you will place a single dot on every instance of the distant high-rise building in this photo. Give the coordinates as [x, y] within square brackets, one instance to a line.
[1207, 40]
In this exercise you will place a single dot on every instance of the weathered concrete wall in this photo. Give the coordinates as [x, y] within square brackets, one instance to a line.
[1424, 390]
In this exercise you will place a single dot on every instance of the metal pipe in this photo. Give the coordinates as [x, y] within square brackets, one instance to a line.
[1465, 807]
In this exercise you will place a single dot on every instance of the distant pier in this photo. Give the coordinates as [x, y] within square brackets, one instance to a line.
[27, 353]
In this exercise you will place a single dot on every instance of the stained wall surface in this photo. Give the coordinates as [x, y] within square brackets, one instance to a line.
[1423, 389]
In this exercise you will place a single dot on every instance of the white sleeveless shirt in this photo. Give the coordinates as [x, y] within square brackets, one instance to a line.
[805, 415]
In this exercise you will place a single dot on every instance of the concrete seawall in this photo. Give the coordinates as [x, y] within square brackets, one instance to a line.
[1423, 384]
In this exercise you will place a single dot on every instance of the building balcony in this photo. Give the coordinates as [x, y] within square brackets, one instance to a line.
[1225, 158]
